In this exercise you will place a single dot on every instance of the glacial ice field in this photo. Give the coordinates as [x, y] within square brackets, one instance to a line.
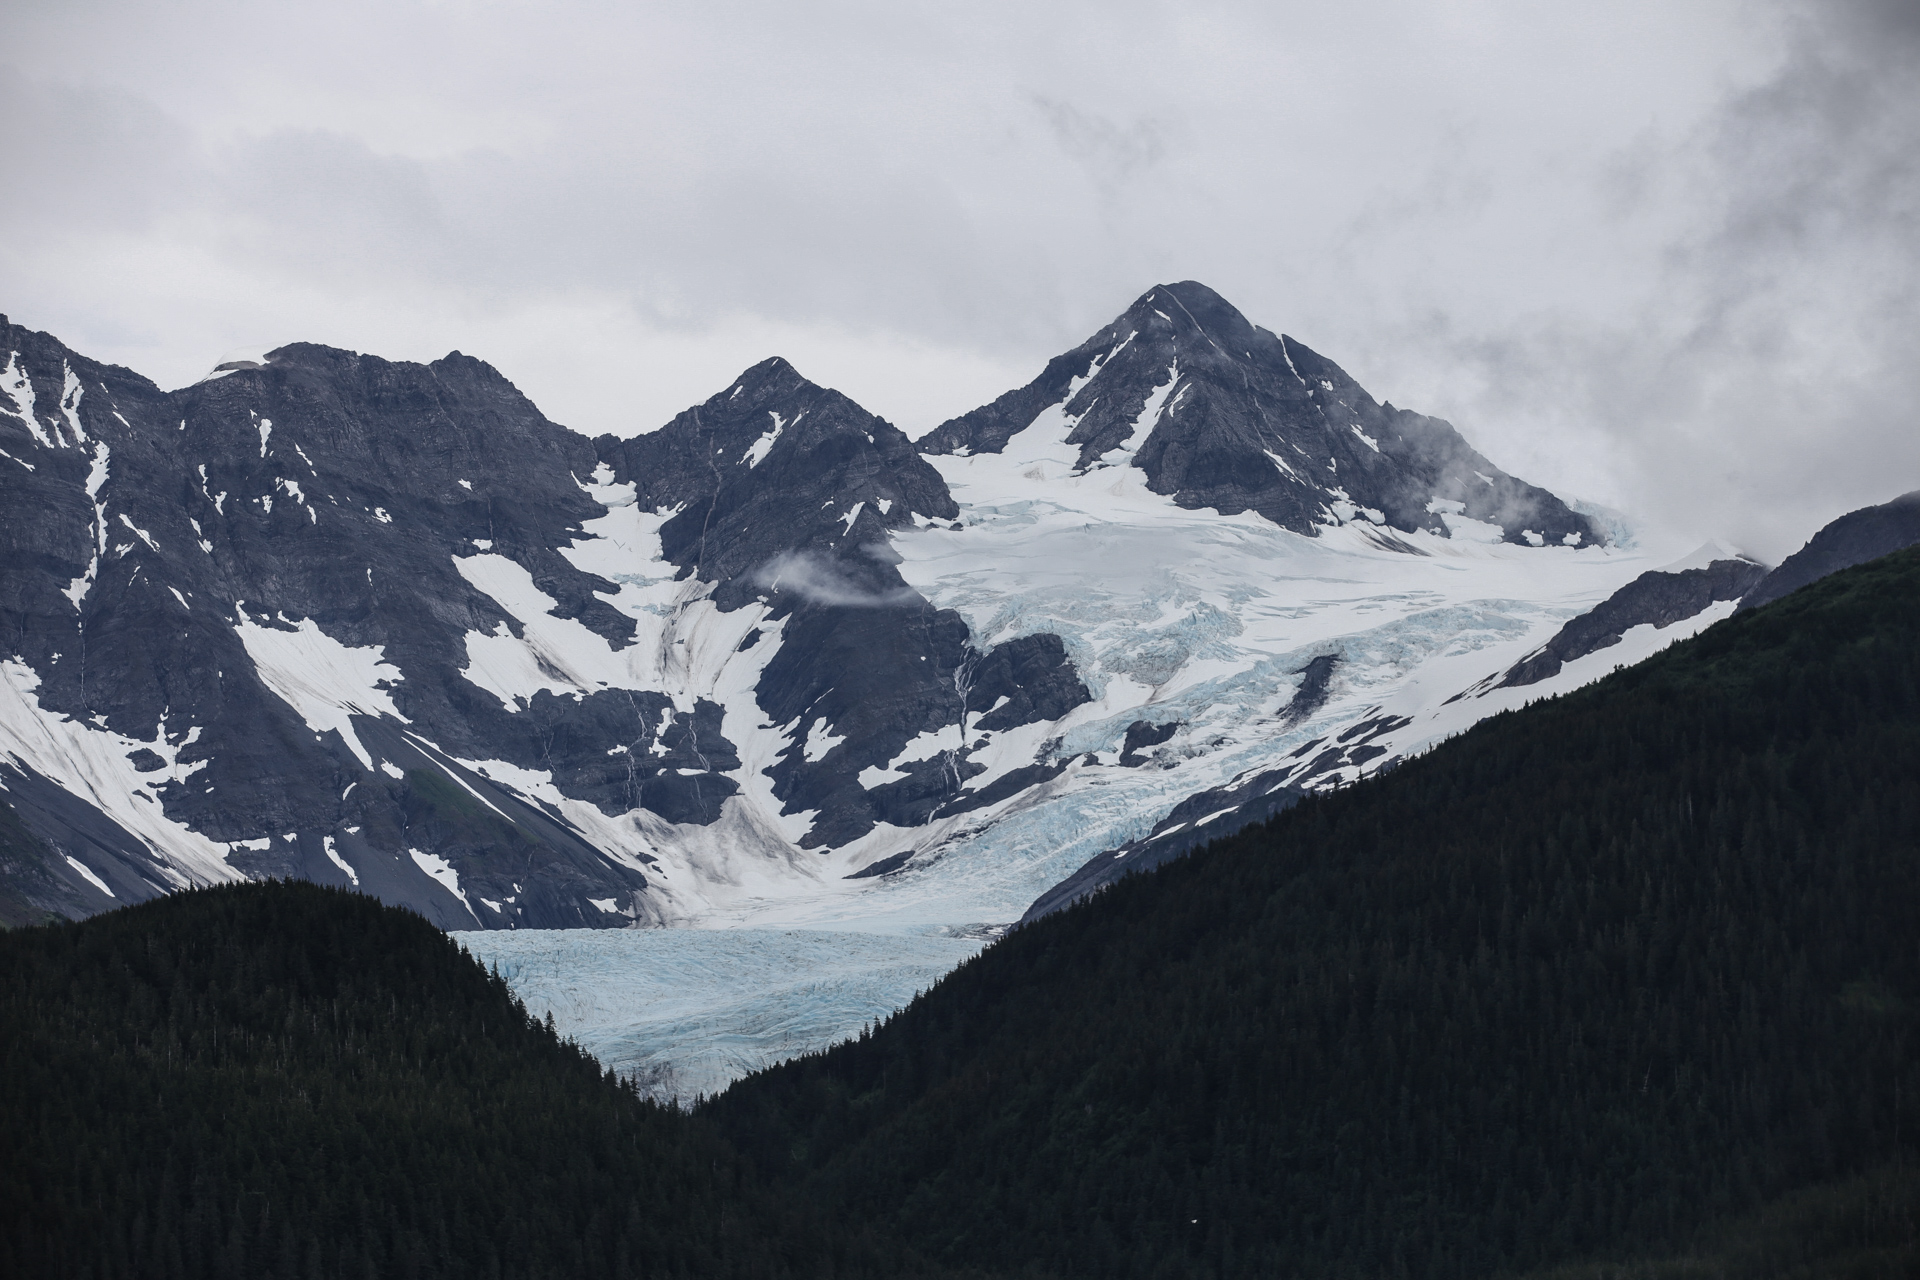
[1171, 616]
[689, 1011]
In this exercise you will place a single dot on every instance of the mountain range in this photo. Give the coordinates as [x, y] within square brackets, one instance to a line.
[383, 625]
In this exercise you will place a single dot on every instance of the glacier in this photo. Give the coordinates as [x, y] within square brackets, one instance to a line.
[1170, 615]
[686, 1012]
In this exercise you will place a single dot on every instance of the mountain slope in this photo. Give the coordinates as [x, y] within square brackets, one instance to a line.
[793, 520]
[1853, 539]
[29, 894]
[1592, 974]
[1657, 599]
[1659, 606]
[771, 666]
[1656, 608]
[289, 1080]
[250, 608]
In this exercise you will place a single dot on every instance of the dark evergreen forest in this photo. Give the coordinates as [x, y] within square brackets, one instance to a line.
[282, 1080]
[1623, 983]
[1571, 985]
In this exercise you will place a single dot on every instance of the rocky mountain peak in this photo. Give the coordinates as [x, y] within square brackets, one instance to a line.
[773, 466]
[1197, 320]
[383, 623]
[1221, 413]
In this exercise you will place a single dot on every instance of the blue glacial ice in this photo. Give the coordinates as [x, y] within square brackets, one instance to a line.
[688, 1011]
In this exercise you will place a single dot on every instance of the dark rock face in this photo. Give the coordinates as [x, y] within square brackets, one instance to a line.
[1023, 681]
[325, 508]
[1656, 598]
[320, 490]
[884, 867]
[778, 479]
[1140, 736]
[1312, 693]
[37, 882]
[785, 494]
[1222, 414]
[1855, 538]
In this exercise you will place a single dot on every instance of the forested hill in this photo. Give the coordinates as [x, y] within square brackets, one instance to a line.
[281, 1080]
[1570, 986]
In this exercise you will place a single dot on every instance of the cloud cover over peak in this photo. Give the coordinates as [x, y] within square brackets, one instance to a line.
[1658, 256]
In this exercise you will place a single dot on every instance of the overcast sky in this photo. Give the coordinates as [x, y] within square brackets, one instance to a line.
[1662, 256]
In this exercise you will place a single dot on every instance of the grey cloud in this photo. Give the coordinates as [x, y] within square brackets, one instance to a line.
[1762, 381]
[1548, 225]
[1110, 151]
[307, 201]
[83, 158]
[1800, 362]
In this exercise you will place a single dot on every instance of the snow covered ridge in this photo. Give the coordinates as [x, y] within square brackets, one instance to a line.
[772, 665]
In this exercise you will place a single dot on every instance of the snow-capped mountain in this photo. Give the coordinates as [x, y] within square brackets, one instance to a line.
[383, 624]
[1220, 414]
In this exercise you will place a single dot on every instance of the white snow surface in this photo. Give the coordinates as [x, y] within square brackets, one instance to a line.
[757, 452]
[333, 856]
[326, 681]
[96, 480]
[91, 762]
[19, 389]
[70, 393]
[442, 871]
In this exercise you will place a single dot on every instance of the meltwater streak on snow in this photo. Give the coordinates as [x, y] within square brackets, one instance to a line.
[690, 1011]
[91, 762]
[327, 682]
